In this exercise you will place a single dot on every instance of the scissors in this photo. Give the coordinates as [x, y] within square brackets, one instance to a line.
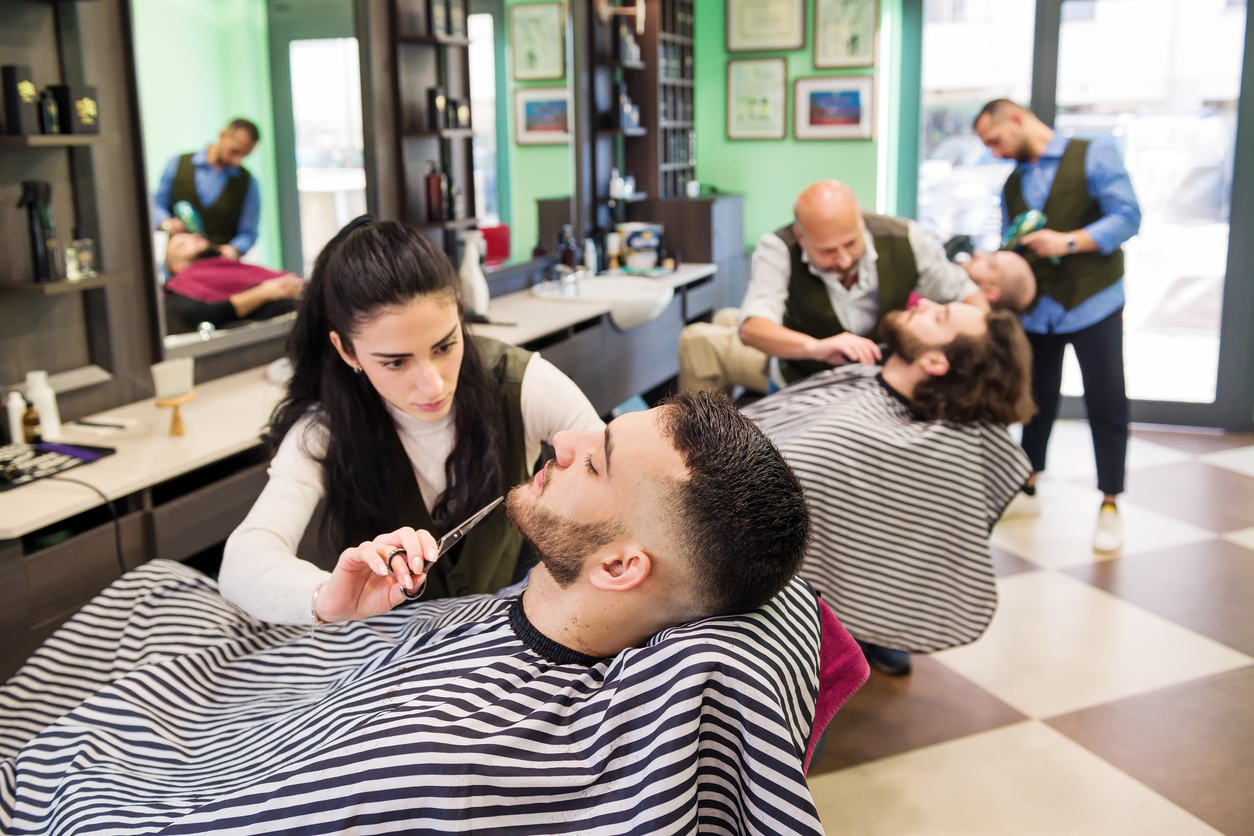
[446, 542]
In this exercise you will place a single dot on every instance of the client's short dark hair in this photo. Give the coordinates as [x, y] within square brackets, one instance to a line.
[989, 377]
[743, 522]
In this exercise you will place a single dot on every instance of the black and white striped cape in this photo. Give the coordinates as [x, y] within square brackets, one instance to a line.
[187, 716]
[901, 508]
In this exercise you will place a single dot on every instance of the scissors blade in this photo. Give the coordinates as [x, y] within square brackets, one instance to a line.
[449, 540]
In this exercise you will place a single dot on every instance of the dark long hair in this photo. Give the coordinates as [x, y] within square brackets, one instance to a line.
[369, 268]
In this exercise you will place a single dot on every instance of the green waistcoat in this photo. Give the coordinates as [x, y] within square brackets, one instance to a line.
[221, 220]
[1068, 207]
[809, 307]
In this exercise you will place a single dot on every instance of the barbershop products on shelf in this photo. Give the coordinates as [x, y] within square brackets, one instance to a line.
[456, 19]
[437, 194]
[437, 17]
[640, 246]
[590, 256]
[21, 100]
[437, 109]
[474, 284]
[76, 104]
[616, 184]
[15, 408]
[46, 253]
[49, 113]
[628, 112]
[613, 242]
[45, 402]
[567, 253]
[628, 48]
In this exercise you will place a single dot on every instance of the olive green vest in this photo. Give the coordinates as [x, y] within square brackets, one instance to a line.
[485, 560]
[809, 307]
[1068, 207]
[221, 220]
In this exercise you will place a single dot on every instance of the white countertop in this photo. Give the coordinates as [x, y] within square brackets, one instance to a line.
[228, 416]
[534, 316]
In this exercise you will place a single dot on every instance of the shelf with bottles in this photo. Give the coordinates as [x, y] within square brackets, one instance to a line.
[56, 140]
[442, 133]
[431, 22]
[62, 286]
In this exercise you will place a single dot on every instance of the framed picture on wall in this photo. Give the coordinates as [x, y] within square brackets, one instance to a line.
[844, 32]
[542, 116]
[762, 25]
[757, 98]
[537, 39]
[834, 107]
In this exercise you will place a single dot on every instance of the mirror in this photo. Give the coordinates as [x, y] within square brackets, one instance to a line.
[291, 69]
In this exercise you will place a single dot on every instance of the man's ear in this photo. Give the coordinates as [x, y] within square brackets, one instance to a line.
[934, 362]
[344, 355]
[620, 567]
[992, 293]
[796, 230]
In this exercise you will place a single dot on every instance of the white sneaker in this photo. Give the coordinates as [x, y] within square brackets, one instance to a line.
[1023, 506]
[1109, 535]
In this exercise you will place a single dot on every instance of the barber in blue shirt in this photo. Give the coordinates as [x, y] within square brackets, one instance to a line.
[215, 183]
[1086, 195]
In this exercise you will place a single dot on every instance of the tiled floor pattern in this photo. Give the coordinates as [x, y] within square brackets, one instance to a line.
[1112, 694]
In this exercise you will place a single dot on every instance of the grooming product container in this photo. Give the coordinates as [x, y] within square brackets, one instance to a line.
[45, 402]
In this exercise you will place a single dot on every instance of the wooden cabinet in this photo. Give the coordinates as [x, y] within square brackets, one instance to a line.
[664, 163]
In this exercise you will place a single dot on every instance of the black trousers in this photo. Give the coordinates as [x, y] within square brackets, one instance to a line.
[1099, 348]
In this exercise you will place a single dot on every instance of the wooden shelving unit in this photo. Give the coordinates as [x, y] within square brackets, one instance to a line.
[56, 140]
[663, 164]
[426, 59]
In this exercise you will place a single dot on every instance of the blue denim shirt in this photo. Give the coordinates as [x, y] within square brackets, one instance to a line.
[210, 182]
[1110, 186]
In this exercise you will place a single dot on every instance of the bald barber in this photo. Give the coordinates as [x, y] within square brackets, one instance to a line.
[820, 285]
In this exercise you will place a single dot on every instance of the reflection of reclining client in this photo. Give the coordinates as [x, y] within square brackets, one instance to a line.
[205, 286]
[906, 469]
[571, 703]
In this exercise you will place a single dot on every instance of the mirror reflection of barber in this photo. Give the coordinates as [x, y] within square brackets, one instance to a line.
[216, 184]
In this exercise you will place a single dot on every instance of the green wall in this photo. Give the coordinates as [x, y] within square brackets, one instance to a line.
[200, 64]
[536, 171]
[771, 173]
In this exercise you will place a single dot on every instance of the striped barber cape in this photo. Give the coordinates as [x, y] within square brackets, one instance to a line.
[901, 508]
[162, 708]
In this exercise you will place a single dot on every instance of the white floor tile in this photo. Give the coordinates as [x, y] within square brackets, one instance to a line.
[1025, 779]
[1062, 535]
[1057, 644]
[1070, 454]
[1240, 459]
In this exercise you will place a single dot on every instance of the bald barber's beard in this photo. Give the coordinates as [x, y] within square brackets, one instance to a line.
[561, 544]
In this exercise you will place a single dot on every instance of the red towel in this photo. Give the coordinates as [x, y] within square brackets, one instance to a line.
[842, 671]
[218, 279]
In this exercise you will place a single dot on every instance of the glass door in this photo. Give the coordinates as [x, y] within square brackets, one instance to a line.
[1160, 79]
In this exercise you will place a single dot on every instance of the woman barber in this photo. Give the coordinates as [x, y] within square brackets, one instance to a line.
[395, 419]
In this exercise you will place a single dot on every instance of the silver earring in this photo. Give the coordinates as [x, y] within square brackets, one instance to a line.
[357, 369]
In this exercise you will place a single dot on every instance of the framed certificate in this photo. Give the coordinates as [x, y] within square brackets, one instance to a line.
[542, 116]
[757, 94]
[845, 32]
[537, 38]
[764, 25]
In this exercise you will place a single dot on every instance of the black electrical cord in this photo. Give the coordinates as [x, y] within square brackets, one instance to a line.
[113, 512]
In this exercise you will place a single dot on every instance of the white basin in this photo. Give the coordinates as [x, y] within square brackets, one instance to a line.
[633, 300]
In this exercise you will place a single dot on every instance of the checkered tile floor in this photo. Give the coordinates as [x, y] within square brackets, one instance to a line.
[1112, 694]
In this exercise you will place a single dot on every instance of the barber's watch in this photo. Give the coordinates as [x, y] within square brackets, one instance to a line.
[1071, 243]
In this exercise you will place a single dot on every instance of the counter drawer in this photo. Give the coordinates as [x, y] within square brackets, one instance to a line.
[197, 520]
[700, 299]
[69, 574]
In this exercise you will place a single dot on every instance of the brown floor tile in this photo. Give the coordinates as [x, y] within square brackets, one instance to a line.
[895, 714]
[1196, 442]
[1006, 564]
[1191, 743]
[1206, 587]
[1212, 497]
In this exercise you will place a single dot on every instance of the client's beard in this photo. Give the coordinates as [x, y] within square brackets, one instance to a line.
[561, 544]
[901, 341]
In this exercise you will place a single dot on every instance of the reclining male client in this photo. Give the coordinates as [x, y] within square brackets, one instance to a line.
[571, 703]
[906, 468]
